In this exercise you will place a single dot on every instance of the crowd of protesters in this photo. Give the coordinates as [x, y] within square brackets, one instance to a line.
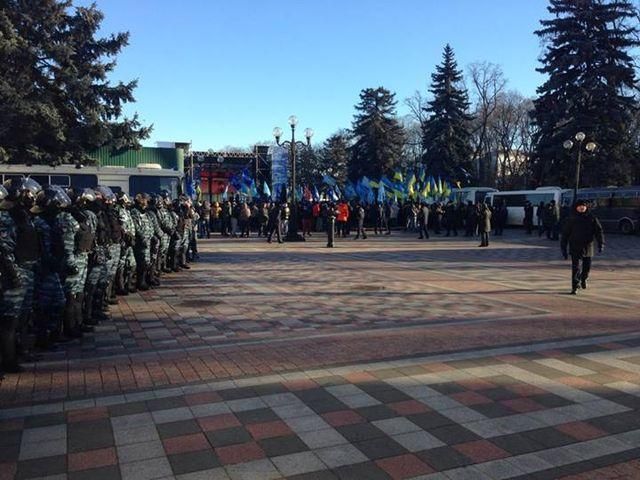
[238, 218]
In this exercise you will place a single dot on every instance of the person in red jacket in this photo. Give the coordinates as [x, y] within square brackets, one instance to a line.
[342, 218]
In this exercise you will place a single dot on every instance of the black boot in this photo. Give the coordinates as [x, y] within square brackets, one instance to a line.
[153, 278]
[121, 286]
[128, 279]
[110, 295]
[8, 345]
[141, 280]
[68, 320]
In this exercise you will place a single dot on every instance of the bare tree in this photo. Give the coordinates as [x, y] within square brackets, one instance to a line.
[511, 131]
[412, 149]
[488, 84]
[417, 104]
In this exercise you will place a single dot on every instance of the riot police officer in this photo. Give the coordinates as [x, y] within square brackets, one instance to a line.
[20, 246]
[49, 294]
[127, 263]
[78, 229]
[142, 247]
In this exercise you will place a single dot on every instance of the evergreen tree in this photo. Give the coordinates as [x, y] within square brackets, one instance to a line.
[335, 156]
[378, 137]
[56, 103]
[445, 133]
[308, 166]
[590, 88]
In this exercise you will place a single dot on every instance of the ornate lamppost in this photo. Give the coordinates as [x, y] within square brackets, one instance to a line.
[589, 147]
[292, 234]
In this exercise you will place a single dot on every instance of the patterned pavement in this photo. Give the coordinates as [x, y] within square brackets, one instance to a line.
[390, 358]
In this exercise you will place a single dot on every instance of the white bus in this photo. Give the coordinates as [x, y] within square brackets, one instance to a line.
[470, 194]
[515, 201]
[617, 208]
[146, 177]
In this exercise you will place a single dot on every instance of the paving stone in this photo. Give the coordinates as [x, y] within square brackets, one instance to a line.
[368, 470]
[394, 426]
[140, 434]
[193, 461]
[322, 438]
[175, 429]
[111, 472]
[229, 436]
[282, 446]
[340, 455]
[140, 451]
[255, 470]
[298, 463]
[146, 469]
[48, 448]
[41, 467]
[443, 458]
[417, 441]
[383, 447]
[211, 474]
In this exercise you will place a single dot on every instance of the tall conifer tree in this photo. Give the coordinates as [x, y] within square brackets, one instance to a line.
[56, 102]
[445, 134]
[377, 134]
[590, 87]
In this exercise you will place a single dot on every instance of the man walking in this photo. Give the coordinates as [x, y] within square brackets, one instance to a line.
[579, 233]
[360, 214]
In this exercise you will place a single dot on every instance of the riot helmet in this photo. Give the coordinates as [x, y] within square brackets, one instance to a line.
[142, 201]
[105, 194]
[123, 199]
[22, 190]
[51, 197]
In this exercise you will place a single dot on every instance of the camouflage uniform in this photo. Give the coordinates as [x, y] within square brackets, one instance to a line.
[97, 277]
[156, 243]
[114, 247]
[20, 259]
[74, 265]
[167, 225]
[74, 273]
[127, 262]
[142, 248]
[17, 301]
[49, 294]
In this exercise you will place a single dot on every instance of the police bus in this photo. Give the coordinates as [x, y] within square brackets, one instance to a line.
[516, 200]
[146, 177]
[470, 194]
[617, 208]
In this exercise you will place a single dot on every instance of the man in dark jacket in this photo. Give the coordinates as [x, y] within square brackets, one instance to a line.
[579, 233]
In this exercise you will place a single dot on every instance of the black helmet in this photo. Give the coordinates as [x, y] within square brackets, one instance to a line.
[18, 186]
[88, 195]
[123, 199]
[142, 200]
[51, 197]
[105, 194]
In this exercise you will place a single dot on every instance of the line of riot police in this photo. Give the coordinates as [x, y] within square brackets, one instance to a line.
[66, 254]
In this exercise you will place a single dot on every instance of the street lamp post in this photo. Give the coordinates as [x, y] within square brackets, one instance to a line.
[292, 234]
[589, 147]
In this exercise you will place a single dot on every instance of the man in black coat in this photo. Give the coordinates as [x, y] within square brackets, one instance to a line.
[579, 232]
[275, 222]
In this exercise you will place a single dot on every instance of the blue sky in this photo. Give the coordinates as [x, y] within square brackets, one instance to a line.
[221, 73]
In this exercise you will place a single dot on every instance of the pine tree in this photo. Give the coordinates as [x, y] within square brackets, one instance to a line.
[56, 102]
[378, 137]
[590, 88]
[335, 156]
[445, 134]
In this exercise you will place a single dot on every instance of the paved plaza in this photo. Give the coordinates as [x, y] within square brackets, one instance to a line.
[391, 358]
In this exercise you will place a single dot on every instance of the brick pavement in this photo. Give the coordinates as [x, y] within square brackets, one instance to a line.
[257, 364]
[569, 408]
